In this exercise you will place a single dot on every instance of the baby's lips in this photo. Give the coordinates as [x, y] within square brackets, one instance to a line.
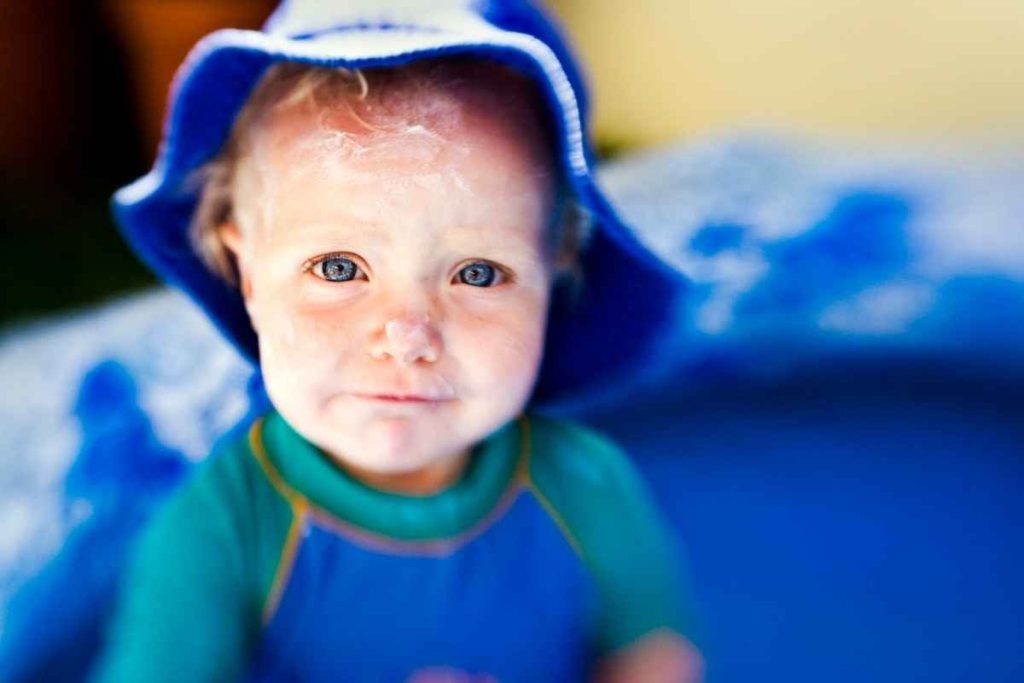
[436, 393]
[402, 398]
[426, 387]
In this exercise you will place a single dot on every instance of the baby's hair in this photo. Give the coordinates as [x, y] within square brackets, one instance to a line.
[287, 85]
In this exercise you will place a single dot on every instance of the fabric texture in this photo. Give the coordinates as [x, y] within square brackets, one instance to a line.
[545, 556]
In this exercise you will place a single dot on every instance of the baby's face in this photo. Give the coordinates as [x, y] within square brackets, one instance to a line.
[398, 284]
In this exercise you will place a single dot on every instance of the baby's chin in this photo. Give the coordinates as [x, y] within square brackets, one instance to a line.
[404, 443]
[395, 439]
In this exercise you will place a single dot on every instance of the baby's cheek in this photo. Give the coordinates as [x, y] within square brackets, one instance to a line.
[307, 346]
[505, 349]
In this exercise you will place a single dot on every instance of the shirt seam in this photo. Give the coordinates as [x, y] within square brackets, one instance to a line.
[293, 539]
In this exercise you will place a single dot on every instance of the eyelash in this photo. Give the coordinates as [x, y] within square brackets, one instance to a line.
[311, 266]
[502, 274]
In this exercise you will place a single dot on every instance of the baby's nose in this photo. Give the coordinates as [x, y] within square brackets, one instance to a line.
[408, 339]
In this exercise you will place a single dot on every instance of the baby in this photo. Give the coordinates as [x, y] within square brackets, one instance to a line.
[397, 235]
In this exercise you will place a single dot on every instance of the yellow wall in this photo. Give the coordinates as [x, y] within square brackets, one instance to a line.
[663, 69]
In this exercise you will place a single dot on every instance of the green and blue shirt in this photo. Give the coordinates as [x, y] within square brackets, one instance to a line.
[272, 563]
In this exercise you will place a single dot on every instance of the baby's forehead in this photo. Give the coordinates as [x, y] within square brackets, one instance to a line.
[404, 117]
[409, 148]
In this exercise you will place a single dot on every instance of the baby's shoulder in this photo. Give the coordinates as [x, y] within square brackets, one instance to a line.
[229, 473]
[564, 454]
[603, 506]
[228, 492]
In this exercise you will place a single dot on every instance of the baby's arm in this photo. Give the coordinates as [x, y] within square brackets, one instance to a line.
[185, 611]
[641, 589]
[645, 625]
[659, 657]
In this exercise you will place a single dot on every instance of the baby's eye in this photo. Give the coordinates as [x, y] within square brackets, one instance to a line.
[479, 274]
[336, 269]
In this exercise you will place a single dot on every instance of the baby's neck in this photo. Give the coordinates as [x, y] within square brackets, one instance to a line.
[423, 482]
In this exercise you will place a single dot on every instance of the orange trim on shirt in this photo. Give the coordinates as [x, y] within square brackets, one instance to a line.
[260, 453]
[394, 546]
[293, 539]
[529, 485]
[289, 551]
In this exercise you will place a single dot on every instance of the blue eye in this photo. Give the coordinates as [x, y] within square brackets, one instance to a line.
[336, 269]
[477, 274]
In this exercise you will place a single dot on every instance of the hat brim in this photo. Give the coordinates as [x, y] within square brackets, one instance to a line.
[599, 339]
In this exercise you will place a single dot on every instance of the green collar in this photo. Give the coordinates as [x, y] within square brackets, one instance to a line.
[306, 472]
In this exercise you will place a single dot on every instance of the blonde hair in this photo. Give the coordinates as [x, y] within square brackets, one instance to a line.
[289, 84]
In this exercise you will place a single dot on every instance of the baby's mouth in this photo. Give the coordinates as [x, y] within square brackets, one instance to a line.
[432, 391]
[402, 398]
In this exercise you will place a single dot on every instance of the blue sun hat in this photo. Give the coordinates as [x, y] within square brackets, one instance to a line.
[599, 338]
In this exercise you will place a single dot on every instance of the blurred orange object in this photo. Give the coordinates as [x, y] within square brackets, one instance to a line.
[157, 34]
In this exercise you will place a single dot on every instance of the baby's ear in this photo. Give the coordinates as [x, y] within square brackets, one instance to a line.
[565, 259]
[573, 233]
[231, 237]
